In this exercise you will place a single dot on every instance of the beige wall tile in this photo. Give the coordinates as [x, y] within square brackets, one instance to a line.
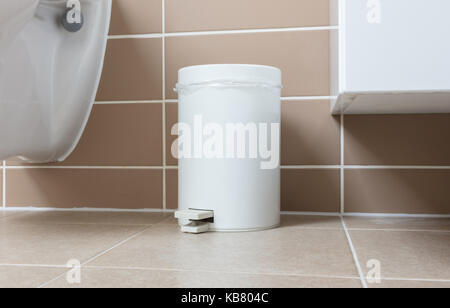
[121, 135]
[96, 188]
[310, 190]
[310, 135]
[172, 189]
[397, 140]
[200, 15]
[311, 222]
[397, 191]
[126, 135]
[302, 56]
[132, 70]
[171, 119]
[118, 135]
[136, 17]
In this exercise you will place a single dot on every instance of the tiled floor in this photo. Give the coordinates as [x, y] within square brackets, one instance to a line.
[146, 250]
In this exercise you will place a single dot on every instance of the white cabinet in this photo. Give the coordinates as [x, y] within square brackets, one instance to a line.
[390, 56]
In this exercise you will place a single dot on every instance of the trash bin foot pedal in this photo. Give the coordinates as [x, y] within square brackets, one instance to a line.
[195, 227]
[194, 221]
[193, 214]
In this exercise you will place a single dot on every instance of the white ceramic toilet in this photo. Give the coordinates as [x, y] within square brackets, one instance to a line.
[48, 76]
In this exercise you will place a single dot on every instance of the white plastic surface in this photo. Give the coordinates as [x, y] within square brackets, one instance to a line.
[194, 214]
[205, 75]
[48, 76]
[242, 195]
[195, 228]
[390, 56]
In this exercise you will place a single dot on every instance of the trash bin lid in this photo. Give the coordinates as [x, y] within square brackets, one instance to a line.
[246, 73]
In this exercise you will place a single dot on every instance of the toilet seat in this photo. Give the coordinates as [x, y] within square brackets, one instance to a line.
[48, 76]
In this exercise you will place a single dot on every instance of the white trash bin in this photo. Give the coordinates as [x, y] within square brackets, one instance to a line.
[219, 108]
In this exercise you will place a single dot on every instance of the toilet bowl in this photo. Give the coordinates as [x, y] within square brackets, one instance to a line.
[48, 76]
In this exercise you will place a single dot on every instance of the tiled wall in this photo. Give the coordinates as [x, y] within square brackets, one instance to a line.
[389, 164]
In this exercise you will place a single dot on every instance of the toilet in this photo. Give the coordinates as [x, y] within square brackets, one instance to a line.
[49, 76]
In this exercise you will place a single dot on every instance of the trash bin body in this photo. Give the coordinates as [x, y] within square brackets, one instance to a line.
[228, 143]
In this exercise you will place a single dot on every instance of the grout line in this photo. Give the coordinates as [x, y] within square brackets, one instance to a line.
[220, 32]
[342, 167]
[258, 273]
[222, 272]
[418, 167]
[164, 120]
[61, 223]
[128, 102]
[310, 167]
[135, 36]
[117, 245]
[4, 184]
[165, 100]
[33, 265]
[326, 214]
[100, 210]
[355, 256]
[400, 230]
[133, 268]
[250, 31]
[390, 215]
[89, 167]
[96, 256]
[415, 279]
[174, 167]
[307, 98]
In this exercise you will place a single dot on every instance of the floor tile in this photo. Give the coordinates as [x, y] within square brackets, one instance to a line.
[77, 217]
[116, 278]
[170, 220]
[384, 223]
[27, 277]
[57, 244]
[408, 284]
[405, 255]
[280, 251]
[9, 213]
